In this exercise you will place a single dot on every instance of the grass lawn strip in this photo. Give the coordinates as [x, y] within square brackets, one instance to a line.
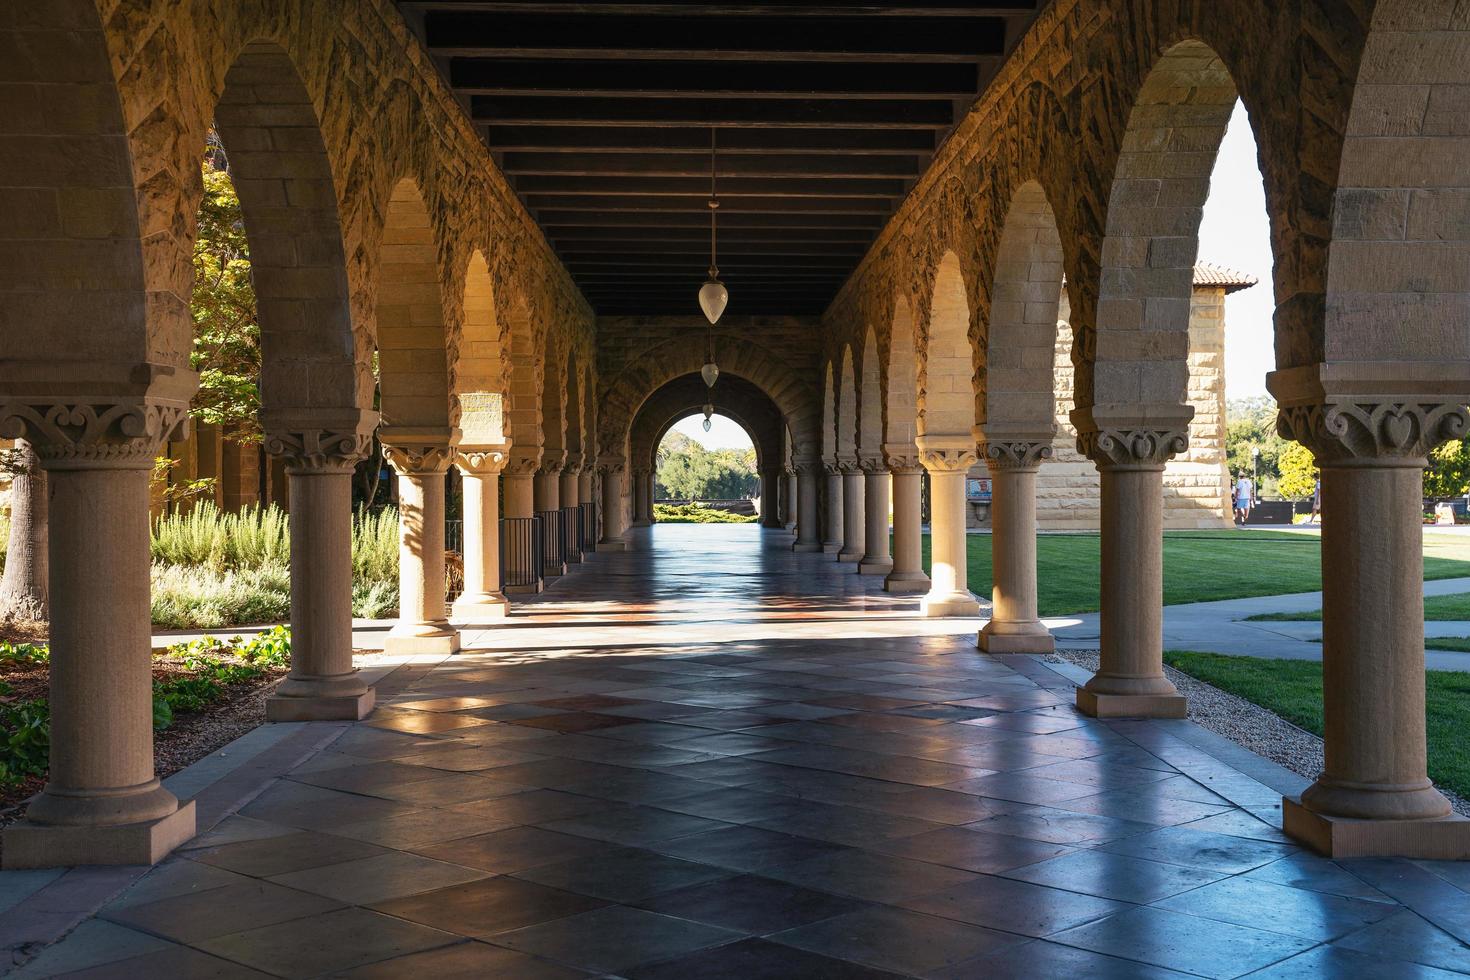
[1293, 690]
[1199, 566]
[1437, 609]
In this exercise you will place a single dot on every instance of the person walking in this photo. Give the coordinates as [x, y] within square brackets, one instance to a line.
[1245, 491]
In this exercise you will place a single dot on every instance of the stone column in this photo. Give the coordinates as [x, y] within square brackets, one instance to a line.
[612, 503]
[584, 484]
[548, 486]
[1374, 797]
[520, 475]
[1014, 625]
[947, 462]
[852, 512]
[770, 498]
[570, 484]
[102, 803]
[640, 503]
[1130, 680]
[908, 562]
[481, 601]
[788, 499]
[832, 532]
[423, 624]
[875, 519]
[808, 478]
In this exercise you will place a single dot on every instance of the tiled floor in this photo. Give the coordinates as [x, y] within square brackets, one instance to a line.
[716, 759]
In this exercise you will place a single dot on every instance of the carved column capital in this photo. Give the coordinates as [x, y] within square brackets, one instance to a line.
[320, 450]
[846, 465]
[872, 465]
[1016, 455]
[550, 467]
[948, 460]
[481, 460]
[420, 460]
[905, 464]
[523, 462]
[572, 464]
[611, 464]
[1131, 448]
[1365, 432]
[102, 433]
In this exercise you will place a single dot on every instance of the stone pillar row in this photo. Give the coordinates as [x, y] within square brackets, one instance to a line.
[948, 460]
[832, 527]
[875, 560]
[808, 482]
[481, 599]
[612, 503]
[770, 489]
[788, 499]
[853, 530]
[1014, 626]
[423, 621]
[907, 473]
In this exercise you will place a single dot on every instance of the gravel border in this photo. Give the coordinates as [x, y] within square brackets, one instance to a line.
[1246, 724]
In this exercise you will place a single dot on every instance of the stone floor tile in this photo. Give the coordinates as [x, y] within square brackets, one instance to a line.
[466, 961]
[529, 806]
[473, 758]
[1142, 807]
[640, 786]
[1183, 942]
[234, 829]
[93, 943]
[488, 907]
[1317, 874]
[178, 961]
[746, 848]
[845, 824]
[511, 850]
[1056, 826]
[175, 876]
[422, 722]
[553, 773]
[757, 959]
[1405, 936]
[1041, 959]
[406, 830]
[896, 940]
[1022, 787]
[366, 777]
[376, 879]
[972, 849]
[869, 876]
[1278, 908]
[1117, 876]
[633, 824]
[1201, 849]
[751, 904]
[615, 939]
[330, 943]
[1338, 963]
[623, 874]
[198, 915]
[446, 790]
[1014, 906]
[297, 851]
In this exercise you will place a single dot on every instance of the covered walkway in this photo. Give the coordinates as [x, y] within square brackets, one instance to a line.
[710, 756]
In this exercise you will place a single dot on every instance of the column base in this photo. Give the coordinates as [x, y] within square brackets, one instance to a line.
[1028, 638]
[483, 608]
[640, 524]
[414, 638]
[34, 845]
[1435, 839]
[831, 549]
[618, 545]
[907, 582]
[852, 556]
[1097, 705]
[534, 588]
[949, 604]
[327, 707]
[773, 525]
[806, 547]
[875, 566]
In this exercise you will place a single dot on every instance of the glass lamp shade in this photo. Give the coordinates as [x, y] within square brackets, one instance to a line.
[712, 299]
[710, 373]
[708, 411]
[706, 425]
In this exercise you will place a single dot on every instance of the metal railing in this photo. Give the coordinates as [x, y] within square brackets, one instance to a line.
[553, 543]
[521, 560]
[454, 536]
[589, 526]
[571, 526]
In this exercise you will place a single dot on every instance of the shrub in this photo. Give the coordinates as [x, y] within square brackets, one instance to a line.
[200, 598]
[375, 546]
[374, 600]
[251, 539]
[24, 654]
[25, 739]
[698, 514]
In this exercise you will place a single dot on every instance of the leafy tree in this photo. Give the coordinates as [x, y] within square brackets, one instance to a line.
[23, 586]
[1251, 423]
[688, 471]
[226, 331]
[1448, 474]
[1298, 472]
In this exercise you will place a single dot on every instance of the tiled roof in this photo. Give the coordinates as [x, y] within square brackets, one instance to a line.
[1208, 274]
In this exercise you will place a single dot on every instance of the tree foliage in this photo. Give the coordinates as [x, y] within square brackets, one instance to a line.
[1298, 472]
[1448, 474]
[688, 471]
[1251, 423]
[226, 330]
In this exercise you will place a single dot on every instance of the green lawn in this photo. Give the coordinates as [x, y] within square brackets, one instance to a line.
[1199, 566]
[1293, 689]
[1440, 608]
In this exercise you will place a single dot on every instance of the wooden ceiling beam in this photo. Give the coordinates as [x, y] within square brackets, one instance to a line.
[700, 205]
[732, 190]
[594, 111]
[697, 165]
[536, 138]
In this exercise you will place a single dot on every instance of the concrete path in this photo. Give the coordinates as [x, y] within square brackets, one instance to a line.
[1221, 627]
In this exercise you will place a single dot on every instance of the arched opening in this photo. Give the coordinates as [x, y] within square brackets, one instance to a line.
[947, 365]
[870, 402]
[903, 379]
[847, 410]
[829, 416]
[526, 363]
[413, 359]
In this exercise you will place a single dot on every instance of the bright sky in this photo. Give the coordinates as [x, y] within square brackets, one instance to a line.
[724, 433]
[1235, 233]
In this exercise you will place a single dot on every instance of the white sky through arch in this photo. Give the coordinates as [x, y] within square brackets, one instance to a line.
[724, 433]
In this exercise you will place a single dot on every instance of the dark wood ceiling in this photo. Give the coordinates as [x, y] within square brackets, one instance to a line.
[600, 115]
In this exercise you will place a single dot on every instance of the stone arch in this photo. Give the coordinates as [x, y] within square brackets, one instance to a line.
[739, 399]
[785, 382]
[847, 409]
[829, 447]
[1400, 249]
[527, 367]
[1025, 295]
[279, 165]
[947, 364]
[903, 378]
[479, 370]
[1139, 344]
[870, 401]
[413, 343]
[60, 280]
[554, 406]
[573, 410]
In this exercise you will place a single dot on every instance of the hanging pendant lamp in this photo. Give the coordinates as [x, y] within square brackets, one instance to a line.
[713, 295]
[709, 410]
[711, 371]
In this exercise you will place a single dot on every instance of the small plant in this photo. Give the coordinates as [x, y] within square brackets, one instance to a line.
[698, 514]
[375, 545]
[374, 600]
[24, 654]
[25, 740]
